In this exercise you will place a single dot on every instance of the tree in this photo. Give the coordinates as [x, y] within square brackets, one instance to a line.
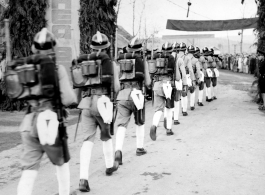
[27, 17]
[96, 15]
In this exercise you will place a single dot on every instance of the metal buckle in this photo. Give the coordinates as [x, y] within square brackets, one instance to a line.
[93, 91]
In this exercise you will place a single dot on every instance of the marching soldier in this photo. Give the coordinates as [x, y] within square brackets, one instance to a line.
[97, 110]
[180, 81]
[200, 77]
[45, 97]
[163, 91]
[215, 71]
[209, 74]
[190, 78]
[134, 77]
[194, 72]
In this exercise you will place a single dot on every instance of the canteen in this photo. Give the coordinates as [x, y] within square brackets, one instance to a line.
[89, 68]
[160, 62]
[126, 65]
[152, 66]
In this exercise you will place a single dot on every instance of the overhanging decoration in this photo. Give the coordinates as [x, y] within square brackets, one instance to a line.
[212, 25]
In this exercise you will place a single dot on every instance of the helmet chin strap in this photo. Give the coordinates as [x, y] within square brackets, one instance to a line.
[99, 51]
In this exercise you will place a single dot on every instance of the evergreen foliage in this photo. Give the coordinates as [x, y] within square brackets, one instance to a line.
[96, 15]
[26, 17]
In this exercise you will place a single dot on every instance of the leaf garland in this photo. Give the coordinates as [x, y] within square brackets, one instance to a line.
[96, 15]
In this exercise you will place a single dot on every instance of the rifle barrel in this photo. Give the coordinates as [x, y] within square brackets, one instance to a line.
[7, 36]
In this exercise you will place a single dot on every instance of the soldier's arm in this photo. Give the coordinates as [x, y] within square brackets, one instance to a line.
[116, 83]
[198, 69]
[147, 74]
[68, 95]
[183, 72]
[177, 73]
[188, 62]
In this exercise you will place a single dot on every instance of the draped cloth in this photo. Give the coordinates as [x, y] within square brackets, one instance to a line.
[211, 25]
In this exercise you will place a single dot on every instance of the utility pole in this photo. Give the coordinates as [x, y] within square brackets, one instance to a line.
[228, 42]
[241, 43]
[234, 48]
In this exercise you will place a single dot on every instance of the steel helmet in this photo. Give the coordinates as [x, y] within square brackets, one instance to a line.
[135, 45]
[191, 49]
[211, 51]
[99, 41]
[44, 40]
[205, 51]
[197, 52]
[182, 46]
[167, 47]
[175, 46]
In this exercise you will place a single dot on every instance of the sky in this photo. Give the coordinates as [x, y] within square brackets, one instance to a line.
[156, 13]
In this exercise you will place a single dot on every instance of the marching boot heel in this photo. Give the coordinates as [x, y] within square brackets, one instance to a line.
[169, 132]
[140, 151]
[200, 104]
[176, 122]
[83, 185]
[153, 132]
[118, 158]
[109, 171]
[184, 113]
[208, 100]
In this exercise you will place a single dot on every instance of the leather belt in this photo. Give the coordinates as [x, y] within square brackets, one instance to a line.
[162, 78]
[95, 91]
[42, 106]
[130, 84]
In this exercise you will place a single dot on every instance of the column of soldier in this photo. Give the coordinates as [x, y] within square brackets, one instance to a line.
[172, 73]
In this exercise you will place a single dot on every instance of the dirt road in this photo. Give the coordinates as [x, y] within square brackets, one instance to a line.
[217, 149]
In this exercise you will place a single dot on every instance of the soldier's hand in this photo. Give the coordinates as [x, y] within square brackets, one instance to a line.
[193, 83]
[184, 88]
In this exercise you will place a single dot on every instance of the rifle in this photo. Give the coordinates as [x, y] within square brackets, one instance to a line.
[113, 94]
[60, 113]
[143, 84]
[80, 110]
[7, 37]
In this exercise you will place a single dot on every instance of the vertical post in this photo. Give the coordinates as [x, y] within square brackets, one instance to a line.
[152, 53]
[116, 43]
[228, 42]
[241, 43]
[7, 37]
[234, 48]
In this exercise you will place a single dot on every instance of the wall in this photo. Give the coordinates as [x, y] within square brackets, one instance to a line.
[62, 16]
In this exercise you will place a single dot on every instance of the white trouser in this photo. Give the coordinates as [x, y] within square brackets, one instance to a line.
[176, 110]
[27, 180]
[192, 99]
[156, 118]
[200, 96]
[184, 103]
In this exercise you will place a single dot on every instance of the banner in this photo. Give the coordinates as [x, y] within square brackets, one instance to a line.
[211, 25]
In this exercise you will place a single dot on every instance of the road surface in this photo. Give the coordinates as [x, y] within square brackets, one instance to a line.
[217, 149]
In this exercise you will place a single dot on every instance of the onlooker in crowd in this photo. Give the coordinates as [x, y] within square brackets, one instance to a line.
[261, 76]
[252, 64]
